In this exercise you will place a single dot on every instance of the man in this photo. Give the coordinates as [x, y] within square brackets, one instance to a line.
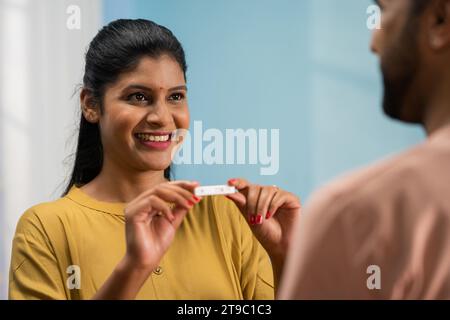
[384, 232]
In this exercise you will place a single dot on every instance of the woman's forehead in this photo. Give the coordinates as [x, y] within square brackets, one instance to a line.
[163, 72]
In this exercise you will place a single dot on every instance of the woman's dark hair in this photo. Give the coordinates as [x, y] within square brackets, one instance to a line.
[117, 48]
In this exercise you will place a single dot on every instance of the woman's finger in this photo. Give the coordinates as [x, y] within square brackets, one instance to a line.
[179, 216]
[175, 216]
[252, 201]
[283, 199]
[143, 208]
[188, 185]
[240, 184]
[171, 195]
[265, 199]
[160, 207]
[240, 200]
[188, 195]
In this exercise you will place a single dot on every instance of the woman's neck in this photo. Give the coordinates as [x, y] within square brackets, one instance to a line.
[118, 184]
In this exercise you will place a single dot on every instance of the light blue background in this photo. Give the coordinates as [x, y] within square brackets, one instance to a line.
[303, 67]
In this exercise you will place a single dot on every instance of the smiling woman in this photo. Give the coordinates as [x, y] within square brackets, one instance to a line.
[128, 128]
[122, 227]
[116, 59]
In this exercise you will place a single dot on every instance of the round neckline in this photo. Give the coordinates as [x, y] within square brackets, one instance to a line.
[77, 195]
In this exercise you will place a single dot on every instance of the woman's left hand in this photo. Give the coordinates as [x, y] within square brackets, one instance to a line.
[271, 213]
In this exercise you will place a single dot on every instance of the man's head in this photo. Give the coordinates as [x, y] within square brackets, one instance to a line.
[413, 45]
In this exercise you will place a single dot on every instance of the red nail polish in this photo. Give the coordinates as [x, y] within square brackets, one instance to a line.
[268, 215]
[190, 203]
[196, 199]
[259, 219]
[231, 181]
[252, 219]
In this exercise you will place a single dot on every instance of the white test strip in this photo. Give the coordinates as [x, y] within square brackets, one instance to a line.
[214, 190]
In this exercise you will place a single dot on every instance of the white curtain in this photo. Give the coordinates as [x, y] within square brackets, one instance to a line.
[42, 46]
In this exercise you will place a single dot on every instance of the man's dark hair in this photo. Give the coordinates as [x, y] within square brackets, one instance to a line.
[419, 5]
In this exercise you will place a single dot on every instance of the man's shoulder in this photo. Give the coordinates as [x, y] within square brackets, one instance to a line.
[372, 184]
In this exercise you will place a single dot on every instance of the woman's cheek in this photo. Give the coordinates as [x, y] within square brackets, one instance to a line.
[181, 118]
[123, 123]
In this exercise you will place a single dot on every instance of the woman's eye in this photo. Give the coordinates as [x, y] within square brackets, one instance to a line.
[137, 97]
[176, 97]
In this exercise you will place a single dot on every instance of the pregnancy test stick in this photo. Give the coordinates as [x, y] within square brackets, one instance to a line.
[214, 190]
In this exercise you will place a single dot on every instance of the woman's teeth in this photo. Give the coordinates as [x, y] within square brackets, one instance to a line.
[149, 137]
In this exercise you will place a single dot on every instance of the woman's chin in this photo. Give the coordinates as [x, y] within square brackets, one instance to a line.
[155, 165]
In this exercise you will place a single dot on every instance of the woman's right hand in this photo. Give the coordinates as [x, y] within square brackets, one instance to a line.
[151, 222]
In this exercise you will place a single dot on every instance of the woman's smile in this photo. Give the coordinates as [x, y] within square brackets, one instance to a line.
[155, 140]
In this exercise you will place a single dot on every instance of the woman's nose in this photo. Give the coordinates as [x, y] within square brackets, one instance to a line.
[159, 115]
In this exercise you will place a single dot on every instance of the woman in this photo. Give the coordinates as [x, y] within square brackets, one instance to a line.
[122, 230]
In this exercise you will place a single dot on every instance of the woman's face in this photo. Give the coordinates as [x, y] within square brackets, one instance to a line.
[141, 110]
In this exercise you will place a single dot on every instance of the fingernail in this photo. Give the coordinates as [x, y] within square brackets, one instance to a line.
[268, 215]
[231, 181]
[196, 199]
[259, 219]
[190, 203]
[252, 219]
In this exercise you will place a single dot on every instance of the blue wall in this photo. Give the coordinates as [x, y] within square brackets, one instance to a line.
[303, 67]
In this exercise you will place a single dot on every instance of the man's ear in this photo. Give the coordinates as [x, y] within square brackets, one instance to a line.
[89, 106]
[439, 31]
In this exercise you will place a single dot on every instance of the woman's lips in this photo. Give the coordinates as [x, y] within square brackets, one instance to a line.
[155, 140]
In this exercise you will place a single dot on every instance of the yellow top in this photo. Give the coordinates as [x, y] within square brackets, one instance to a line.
[214, 254]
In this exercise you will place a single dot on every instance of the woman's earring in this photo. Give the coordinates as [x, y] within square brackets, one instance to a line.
[90, 117]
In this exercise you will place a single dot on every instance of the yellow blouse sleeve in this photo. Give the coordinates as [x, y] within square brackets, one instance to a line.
[34, 270]
[251, 259]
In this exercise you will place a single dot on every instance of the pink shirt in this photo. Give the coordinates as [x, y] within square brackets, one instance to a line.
[380, 233]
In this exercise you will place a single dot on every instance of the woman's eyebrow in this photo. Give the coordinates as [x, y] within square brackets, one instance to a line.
[137, 86]
[143, 87]
[183, 87]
